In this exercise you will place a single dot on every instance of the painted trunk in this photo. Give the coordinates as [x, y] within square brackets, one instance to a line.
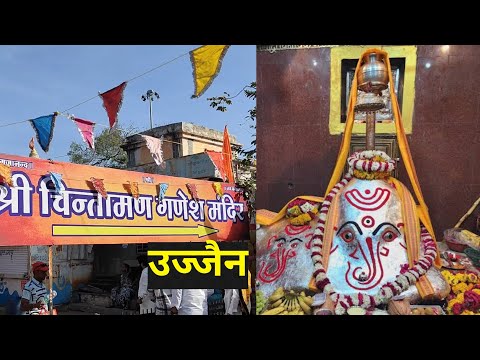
[368, 247]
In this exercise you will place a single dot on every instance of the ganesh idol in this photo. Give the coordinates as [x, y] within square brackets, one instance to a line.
[370, 245]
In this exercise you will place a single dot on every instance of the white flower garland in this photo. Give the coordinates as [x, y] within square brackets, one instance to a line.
[388, 290]
[362, 161]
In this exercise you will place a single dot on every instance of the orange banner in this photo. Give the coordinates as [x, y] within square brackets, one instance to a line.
[33, 212]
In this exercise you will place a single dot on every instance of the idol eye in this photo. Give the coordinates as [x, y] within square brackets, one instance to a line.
[280, 244]
[347, 236]
[294, 245]
[389, 236]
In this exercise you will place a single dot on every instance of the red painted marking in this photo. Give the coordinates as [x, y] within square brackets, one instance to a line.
[385, 251]
[371, 272]
[353, 253]
[333, 250]
[367, 191]
[269, 243]
[265, 275]
[295, 230]
[282, 254]
[368, 221]
[374, 202]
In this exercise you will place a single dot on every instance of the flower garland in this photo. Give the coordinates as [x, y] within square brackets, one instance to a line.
[301, 212]
[464, 298]
[371, 164]
[402, 282]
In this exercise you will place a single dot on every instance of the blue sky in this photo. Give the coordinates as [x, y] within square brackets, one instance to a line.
[38, 80]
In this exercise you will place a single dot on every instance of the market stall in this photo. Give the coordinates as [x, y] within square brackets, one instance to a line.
[61, 205]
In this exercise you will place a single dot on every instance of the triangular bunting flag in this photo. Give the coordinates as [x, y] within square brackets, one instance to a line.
[6, 174]
[98, 185]
[43, 127]
[217, 186]
[33, 152]
[112, 102]
[217, 162]
[57, 182]
[134, 189]
[206, 62]
[192, 189]
[162, 189]
[155, 147]
[85, 128]
[227, 156]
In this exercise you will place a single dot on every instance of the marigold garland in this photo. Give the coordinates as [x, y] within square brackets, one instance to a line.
[360, 174]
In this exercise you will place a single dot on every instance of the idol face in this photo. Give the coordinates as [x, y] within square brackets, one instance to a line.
[283, 257]
[368, 247]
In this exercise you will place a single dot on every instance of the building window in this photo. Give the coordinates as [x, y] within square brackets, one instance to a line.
[142, 249]
[384, 115]
[131, 158]
[343, 61]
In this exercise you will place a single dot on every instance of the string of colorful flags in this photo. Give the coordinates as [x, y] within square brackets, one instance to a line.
[155, 147]
[206, 62]
[99, 185]
[156, 151]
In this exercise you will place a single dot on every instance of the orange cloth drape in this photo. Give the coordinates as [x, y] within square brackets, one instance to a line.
[227, 157]
[422, 208]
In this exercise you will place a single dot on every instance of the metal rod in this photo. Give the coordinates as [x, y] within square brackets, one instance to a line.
[151, 118]
[370, 135]
[50, 277]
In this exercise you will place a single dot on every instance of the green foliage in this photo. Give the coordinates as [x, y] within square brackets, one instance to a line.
[247, 156]
[107, 153]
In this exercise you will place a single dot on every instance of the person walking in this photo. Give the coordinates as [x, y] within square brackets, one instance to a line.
[146, 296]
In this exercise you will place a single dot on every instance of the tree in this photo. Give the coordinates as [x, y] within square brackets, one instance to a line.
[248, 155]
[107, 153]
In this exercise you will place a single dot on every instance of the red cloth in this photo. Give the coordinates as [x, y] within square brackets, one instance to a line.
[227, 157]
[112, 102]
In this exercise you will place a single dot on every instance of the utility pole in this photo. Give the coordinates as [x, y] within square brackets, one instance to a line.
[150, 96]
